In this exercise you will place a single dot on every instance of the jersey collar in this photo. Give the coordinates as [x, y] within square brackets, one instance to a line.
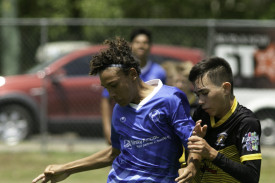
[155, 82]
[223, 119]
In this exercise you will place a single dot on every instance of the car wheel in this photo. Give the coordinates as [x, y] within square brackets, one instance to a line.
[267, 119]
[14, 123]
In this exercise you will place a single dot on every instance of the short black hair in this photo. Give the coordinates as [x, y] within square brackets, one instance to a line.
[217, 69]
[118, 52]
[140, 31]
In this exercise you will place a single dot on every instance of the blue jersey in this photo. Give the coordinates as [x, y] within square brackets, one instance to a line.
[150, 136]
[151, 71]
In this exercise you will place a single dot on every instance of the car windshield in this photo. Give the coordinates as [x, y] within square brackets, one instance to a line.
[42, 65]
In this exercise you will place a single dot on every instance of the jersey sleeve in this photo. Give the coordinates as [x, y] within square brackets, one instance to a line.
[249, 171]
[180, 117]
[249, 139]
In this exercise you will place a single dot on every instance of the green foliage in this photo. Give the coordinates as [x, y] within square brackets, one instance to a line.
[100, 9]
[45, 8]
[143, 9]
[218, 9]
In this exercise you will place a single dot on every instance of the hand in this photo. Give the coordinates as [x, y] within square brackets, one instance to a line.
[186, 174]
[52, 173]
[198, 130]
[199, 145]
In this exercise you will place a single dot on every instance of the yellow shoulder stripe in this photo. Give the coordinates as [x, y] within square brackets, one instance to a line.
[248, 157]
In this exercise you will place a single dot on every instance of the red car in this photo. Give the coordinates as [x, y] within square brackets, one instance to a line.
[61, 92]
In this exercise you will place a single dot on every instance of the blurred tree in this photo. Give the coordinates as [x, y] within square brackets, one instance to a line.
[159, 9]
[216, 9]
[10, 40]
[203, 9]
[45, 8]
[101, 9]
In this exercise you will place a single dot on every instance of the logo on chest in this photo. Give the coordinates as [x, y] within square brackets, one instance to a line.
[127, 144]
[221, 139]
[122, 119]
[154, 115]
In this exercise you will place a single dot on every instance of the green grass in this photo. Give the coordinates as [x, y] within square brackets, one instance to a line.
[23, 167]
[267, 171]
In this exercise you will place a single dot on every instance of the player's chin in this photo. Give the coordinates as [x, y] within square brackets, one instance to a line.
[210, 112]
[121, 103]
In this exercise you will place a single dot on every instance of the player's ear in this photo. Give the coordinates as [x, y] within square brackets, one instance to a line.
[133, 73]
[227, 88]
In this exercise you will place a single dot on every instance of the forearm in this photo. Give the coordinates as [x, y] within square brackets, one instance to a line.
[98, 160]
[187, 173]
[194, 161]
[106, 118]
[247, 172]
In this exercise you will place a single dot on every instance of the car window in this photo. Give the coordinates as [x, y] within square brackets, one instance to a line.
[42, 65]
[79, 66]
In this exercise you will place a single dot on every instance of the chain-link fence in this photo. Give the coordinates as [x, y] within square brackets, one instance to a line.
[39, 95]
[35, 32]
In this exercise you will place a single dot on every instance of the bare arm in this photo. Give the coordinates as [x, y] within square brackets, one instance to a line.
[56, 173]
[106, 118]
[98, 160]
[198, 150]
[187, 173]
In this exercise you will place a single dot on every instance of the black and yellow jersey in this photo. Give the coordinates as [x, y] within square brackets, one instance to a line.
[237, 138]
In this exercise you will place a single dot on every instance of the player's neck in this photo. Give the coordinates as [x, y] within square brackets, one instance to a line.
[227, 106]
[143, 90]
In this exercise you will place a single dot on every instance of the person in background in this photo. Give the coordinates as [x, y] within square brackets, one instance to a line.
[141, 42]
[150, 124]
[230, 149]
[177, 75]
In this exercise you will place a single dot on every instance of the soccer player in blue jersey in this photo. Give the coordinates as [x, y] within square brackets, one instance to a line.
[150, 124]
[141, 42]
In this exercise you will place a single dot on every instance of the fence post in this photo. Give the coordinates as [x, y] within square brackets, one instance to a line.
[210, 36]
[44, 31]
[43, 112]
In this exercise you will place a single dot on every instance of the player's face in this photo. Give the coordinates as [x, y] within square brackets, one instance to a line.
[141, 46]
[211, 97]
[120, 86]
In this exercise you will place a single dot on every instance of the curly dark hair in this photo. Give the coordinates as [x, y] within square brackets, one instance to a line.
[118, 52]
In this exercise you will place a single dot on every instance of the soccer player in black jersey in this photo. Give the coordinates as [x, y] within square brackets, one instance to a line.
[230, 149]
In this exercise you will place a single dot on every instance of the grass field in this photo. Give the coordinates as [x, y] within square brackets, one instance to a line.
[24, 166]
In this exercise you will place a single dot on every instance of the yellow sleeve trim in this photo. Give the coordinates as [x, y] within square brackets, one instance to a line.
[182, 158]
[251, 157]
